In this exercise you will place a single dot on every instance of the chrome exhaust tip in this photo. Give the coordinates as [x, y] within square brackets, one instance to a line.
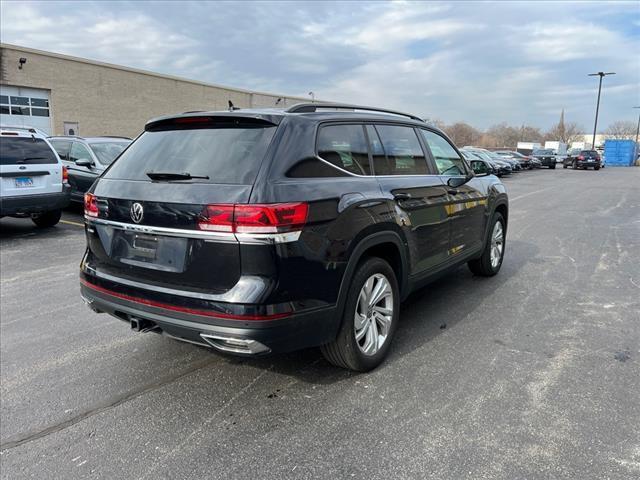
[234, 345]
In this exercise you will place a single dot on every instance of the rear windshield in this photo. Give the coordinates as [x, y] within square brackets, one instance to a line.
[588, 152]
[225, 155]
[108, 151]
[25, 150]
[543, 152]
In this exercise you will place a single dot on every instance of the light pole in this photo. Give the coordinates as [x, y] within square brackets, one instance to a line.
[595, 125]
[638, 127]
[313, 97]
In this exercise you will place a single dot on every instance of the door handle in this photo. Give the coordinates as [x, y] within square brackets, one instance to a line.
[402, 196]
[452, 192]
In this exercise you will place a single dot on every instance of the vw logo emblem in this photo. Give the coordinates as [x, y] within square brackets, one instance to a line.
[137, 212]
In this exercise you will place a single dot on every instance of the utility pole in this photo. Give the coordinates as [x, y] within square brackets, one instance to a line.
[638, 127]
[595, 125]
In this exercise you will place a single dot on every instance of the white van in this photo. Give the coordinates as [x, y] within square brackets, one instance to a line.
[33, 181]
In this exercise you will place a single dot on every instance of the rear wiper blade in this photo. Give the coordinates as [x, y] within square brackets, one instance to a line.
[174, 176]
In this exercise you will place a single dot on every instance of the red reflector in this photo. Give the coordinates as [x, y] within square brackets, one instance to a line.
[65, 174]
[580, 157]
[90, 205]
[254, 218]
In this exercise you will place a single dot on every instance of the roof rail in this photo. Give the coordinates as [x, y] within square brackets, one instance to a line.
[314, 107]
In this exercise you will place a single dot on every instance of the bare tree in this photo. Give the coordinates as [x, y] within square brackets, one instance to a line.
[462, 134]
[622, 129]
[435, 122]
[565, 132]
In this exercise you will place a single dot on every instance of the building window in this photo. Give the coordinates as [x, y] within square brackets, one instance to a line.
[20, 106]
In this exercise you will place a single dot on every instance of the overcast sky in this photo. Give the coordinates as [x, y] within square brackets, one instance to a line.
[483, 63]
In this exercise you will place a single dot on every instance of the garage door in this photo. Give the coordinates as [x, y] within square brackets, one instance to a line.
[25, 107]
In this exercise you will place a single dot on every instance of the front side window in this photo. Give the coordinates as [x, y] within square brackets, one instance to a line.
[108, 151]
[448, 162]
[345, 146]
[404, 155]
[79, 151]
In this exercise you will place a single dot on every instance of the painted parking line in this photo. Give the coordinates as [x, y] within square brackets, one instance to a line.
[69, 222]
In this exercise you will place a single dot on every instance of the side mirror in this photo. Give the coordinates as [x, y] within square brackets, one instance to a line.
[455, 182]
[480, 168]
[84, 162]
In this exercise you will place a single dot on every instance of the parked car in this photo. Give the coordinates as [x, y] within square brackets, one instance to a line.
[546, 157]
[583, 159]
[501, 167]
[33, 181]
[257, 231]
[471, 157]
[525, 161]
[87, 158]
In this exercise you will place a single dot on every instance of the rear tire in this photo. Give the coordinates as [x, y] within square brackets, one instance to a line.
[564, 165]
[596, 168]
[552, 167]
[47, 219]
[490, 261]
[347, 350]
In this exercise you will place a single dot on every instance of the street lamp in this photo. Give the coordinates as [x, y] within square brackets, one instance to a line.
[313, 97]
[638, 127]
[595, 125]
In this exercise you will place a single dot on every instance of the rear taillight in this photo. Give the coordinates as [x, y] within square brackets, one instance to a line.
[65, 174]
[580, 157]
[255, 218]
[90, 205]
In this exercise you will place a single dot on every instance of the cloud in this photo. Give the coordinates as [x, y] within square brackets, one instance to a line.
[482, 63]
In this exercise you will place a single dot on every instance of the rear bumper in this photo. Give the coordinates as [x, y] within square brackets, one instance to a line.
[586, 164]
[301, 329]
[26, 204]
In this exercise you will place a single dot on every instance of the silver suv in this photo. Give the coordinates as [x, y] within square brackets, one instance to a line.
[33, 181]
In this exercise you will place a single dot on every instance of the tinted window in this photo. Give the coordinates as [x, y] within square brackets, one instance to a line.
[225, 155]
[404, 155]
[19, 110]
[24, 150]
[314, 168]
[62, 147]
[39, 102]
[19, 101]
[4, 99]
[79, 151]
[345, 146]
[108, 151]
[4, 109]
[40, 112]
[448, 162]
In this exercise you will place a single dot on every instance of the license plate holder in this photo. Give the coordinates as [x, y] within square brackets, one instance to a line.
[23, 182]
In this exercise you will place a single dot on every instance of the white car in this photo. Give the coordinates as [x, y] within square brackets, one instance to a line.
[33, 181]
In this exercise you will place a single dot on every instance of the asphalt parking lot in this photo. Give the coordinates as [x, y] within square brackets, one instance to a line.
[534, 373]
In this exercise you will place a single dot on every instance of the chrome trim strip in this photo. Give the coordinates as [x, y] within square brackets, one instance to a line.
[224, 237]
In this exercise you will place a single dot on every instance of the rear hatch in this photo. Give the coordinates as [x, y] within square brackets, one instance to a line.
[590, 155]
[28, 166]
[150, 201]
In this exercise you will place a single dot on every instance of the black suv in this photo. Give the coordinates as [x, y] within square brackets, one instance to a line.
[256, 231]
[582, 159]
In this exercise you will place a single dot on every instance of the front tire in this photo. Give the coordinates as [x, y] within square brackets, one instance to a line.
[47, 219]
[369, 320]
[490, 261]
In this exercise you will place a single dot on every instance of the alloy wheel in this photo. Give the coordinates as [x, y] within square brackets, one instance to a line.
[374, 314]
[497, 244]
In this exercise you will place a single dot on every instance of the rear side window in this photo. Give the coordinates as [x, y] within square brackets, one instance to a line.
[26, 151]
[448, 162]
[345, 146]
[228, 155]
[62, 147]
[404, 155]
